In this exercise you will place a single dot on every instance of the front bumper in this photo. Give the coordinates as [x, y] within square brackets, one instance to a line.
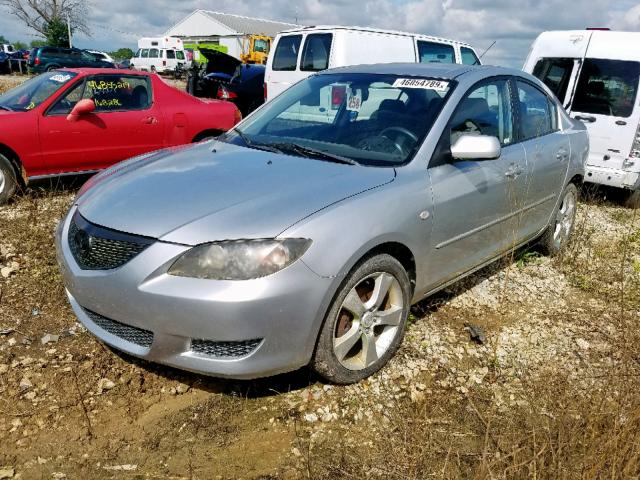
[283, 311]
[612, 177]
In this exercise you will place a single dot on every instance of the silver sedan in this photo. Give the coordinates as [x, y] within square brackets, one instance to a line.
[304, 235]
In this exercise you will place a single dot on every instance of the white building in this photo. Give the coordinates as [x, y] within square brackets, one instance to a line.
[223, 31]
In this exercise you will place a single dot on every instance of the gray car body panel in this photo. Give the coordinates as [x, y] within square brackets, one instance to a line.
[447, 216]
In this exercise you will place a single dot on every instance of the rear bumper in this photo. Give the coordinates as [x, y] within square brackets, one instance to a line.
[612, 177]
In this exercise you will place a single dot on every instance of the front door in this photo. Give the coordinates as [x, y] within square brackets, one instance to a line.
[475, 200]
[125, 123]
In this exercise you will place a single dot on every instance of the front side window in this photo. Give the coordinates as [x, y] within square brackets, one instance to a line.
[536, 112]
[145, 53]
[485, 110]
[117, 93]
[261, 46]
[372, 119]
[66, 103]
[35, 91]
[468, 56]
[286, 55]
[607, 87]
[180, 54]
[431, 52]
[315, 56]
[555, 73]
[137, 54]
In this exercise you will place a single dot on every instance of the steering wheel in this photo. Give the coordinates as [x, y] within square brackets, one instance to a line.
[408, 134]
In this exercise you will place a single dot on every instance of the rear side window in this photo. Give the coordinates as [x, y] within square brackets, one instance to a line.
[536, 112]
[117, 93]
[555, 73]
[315, 56]
[607, 87]
[171, 54]
[430, 52]
[286, 56]
[468, 56]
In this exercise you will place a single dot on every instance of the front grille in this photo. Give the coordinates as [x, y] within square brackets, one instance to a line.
[139, 336]
[99, 248]
[225, 349]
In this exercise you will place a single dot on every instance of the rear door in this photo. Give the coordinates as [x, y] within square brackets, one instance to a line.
[284, 70]
[606, 101]
[435, 52]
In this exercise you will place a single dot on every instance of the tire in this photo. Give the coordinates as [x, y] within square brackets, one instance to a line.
[354, 318]
[153, 69]
[51, 68]
[8, 182]
[632, 199]
[557, 234]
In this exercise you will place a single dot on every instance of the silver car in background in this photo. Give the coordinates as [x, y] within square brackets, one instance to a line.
[304, 235]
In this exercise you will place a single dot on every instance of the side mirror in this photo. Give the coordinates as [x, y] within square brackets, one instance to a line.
[475, 147]
[83, 107]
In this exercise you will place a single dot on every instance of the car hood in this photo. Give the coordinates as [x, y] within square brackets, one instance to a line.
[196, 195]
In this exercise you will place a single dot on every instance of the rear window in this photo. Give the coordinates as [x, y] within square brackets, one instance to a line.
[468, 56]
[286, 56]
[555, 73]
[607, 87]
[315, 56]
[430, 52]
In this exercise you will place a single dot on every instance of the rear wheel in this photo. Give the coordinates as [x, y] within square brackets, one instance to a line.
[153, 69]
[8, 181]
[558, 233]
[366, 321]
[632, 199]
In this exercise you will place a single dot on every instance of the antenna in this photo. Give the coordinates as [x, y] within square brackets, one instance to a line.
[488, 48]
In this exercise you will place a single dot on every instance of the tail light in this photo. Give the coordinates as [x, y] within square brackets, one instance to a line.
[337, 96]
[237, 116]
[635, 150]
[36, 61]
[225, 94]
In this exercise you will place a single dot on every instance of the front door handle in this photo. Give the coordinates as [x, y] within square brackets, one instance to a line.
[620, 122]
[149, 120]
[513, 171]
[585, 118]
[562, 155]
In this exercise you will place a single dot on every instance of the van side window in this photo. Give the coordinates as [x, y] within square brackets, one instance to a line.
[431, 52]
[534, 111]
[171, 55]
[468, 56]
[145, 53]
[607, 87]
[555, 73]
[153, 53]
[315, 56]
[286, 56]
[180, 54]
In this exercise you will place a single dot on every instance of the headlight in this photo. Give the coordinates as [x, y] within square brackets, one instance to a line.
[239, 259]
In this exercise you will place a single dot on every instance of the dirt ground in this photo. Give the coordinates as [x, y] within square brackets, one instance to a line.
[550, 392]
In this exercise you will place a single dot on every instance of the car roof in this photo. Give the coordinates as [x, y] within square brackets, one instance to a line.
[436, 70]
[98, 71]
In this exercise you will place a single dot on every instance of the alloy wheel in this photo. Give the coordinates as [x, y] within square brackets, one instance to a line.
[564, 219]
[368, 321]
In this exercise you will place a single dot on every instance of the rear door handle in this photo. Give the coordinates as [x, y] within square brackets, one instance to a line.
[585, 118]
[562, 155]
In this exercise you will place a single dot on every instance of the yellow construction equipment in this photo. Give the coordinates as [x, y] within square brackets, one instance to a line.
[255, 49]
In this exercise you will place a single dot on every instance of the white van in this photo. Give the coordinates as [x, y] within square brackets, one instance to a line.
[300, 52]
[595, 74]
[160, 54]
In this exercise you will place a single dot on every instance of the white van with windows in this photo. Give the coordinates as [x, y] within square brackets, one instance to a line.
[162, 54]
[300, 52]
[595, 73]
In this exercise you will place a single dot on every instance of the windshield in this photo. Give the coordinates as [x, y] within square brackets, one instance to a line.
[35, 91]
[371, 119]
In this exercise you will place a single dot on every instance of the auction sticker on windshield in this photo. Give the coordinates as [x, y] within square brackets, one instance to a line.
[437, 85]
[60, 77]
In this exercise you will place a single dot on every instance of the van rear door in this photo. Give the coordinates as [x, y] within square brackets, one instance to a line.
[606, 101]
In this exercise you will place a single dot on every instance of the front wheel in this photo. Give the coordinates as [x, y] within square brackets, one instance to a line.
[559, 231]
[632, 199]
[8, 181]
[366, 321]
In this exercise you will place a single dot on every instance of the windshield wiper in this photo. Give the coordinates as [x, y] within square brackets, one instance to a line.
[312, 153]
[4, 107]
[251, 144]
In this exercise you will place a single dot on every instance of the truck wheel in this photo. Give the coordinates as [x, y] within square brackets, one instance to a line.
[559, 231]
[153, 69]
[366, 321]
[8, 181]
[633, 199]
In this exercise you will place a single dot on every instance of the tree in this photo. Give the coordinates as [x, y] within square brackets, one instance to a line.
[38, 43]
[20, 45]
[122, 53]
[57, 33]
[45, 15]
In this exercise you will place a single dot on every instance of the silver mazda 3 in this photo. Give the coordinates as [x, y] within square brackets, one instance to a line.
[304, 235]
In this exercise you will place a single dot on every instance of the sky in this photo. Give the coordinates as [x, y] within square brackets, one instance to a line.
[513, 25]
